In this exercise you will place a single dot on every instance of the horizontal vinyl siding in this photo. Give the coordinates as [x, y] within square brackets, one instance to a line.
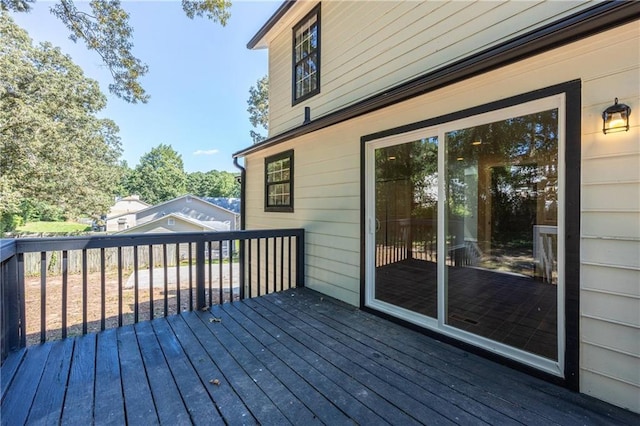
[608, 66]
[610, 271]
[326, 205]
[368, 47]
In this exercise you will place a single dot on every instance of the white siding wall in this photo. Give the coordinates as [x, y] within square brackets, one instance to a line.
[370, 46]
[327, 195]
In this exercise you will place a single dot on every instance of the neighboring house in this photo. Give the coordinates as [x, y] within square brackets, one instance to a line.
[176, 222]
[122, 213]
[182, 214]
[130, 204]
[448, 163]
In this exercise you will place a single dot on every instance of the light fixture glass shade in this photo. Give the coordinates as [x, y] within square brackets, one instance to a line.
[616, 118]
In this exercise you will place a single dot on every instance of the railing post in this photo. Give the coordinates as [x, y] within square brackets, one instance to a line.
[12, 311]
[200, 275]
[300, 259]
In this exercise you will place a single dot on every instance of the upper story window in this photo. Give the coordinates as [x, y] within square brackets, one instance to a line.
[278, 190]
[306, 57]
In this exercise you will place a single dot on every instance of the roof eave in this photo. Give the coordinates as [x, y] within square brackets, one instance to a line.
[258, 41]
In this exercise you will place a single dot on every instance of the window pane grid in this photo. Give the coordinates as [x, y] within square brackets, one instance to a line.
[279, 194]
[305, 55]
[278, 182]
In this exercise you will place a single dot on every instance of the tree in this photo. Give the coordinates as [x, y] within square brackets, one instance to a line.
[160, 175]
[104, 28]
[213, 184]
[259, 108]
[55, 151]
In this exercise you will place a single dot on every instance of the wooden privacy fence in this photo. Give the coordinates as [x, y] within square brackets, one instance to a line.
[33, 261]
[56, 287]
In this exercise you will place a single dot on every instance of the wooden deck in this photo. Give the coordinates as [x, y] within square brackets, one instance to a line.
[295, 357]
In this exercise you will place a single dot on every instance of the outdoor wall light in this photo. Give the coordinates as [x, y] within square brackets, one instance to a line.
[616, 118]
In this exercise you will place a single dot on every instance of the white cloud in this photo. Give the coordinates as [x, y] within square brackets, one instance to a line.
[205, 152]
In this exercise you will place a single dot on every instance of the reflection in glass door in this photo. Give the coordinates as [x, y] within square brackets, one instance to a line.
[406, 195]
[501, 221]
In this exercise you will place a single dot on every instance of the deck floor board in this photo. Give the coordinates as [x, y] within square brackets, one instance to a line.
[9, 369]
[199, 404]
[410, 376]
[265, 347]
[227, 401]
[290, 352]
[383, 383]
[168, 401]
[23, 389]
[138, 399]
[47, 405]
[295, 357]
[243, 379]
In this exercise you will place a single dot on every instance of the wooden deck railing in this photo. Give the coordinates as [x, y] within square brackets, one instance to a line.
[56, 287]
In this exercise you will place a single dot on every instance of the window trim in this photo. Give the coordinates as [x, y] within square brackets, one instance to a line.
[294, 100]
[277, 157]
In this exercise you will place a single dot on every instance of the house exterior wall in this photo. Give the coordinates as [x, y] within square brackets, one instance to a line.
[195, 208]
[114, 223]
[327, 186]
[127, 205]
[386, 41]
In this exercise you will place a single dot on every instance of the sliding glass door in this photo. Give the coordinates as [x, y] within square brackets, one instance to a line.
[465, 234]
[406, 195]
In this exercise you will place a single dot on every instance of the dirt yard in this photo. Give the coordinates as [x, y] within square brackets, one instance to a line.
[74, 303]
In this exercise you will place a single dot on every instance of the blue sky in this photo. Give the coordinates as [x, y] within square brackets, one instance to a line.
[199, 78]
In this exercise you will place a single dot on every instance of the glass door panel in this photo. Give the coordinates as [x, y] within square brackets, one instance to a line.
[501, 220]
[406, 195]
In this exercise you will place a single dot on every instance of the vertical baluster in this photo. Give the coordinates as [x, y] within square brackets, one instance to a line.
[249, 243]
[210, 259]
[275, 264]
[166, 279]
[65, 276]
[201, 301]
[179, 308]
[43, 296]
[220, 261]
[300, 260]
[119, 286]
[151, 282]
[230, 251]
[281, 263]
[103, 292]
[190, 278]
[242, 260]
[23, 324]
[258, 266]
[84, 291]
[394, 258]
[266, 265]
[289, 254]
[135, 284]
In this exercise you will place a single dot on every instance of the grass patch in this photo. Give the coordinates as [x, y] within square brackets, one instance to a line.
[53, 227]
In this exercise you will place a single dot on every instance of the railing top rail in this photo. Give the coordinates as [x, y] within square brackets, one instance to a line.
[7, 249]
[27, 245]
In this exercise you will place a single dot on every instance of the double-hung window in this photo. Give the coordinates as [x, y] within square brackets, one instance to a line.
[279, 182]
[306, 57]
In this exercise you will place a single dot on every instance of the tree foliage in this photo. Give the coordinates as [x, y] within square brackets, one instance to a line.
[104, 28]
[159, 176]
[213, 184]
[55, 151]
[259, 107]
